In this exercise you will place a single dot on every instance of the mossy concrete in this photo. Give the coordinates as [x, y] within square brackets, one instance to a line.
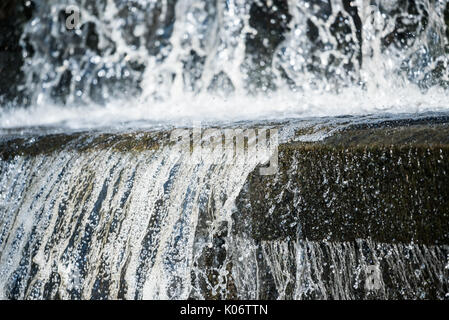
[385, 184]
[367, 194]
[388, 183]
[82, 142]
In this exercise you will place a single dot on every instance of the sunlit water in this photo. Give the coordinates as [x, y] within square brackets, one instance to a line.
[178, 60]
[88, 221]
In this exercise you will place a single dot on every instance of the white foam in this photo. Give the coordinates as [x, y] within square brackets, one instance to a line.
[183, 109]
[218, 37]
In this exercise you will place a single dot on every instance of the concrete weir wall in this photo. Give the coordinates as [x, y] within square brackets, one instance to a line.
[361, 214]
[390, 185]
[363, 198]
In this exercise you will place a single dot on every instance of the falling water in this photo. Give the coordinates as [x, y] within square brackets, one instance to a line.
[128, 214]
[225, 60]
[134, 216]
[128, 233]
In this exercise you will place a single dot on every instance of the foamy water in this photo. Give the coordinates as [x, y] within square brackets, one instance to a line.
[214, 62]
[209, 108]
[88, 221]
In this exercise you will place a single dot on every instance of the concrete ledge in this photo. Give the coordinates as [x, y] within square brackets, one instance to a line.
[385, 184]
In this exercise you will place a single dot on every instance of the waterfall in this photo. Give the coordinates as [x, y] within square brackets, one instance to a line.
[104, 224]
[137, 215]
[102, 198]
[171, 60]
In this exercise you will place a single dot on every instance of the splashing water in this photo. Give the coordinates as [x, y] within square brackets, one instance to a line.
[124, 215]
[226, 60]
[101, 220]
[145, 205]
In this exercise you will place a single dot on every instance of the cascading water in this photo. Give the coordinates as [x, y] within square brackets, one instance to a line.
[172, 60]
[133, 216]
[90, 208]
[127, 232]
